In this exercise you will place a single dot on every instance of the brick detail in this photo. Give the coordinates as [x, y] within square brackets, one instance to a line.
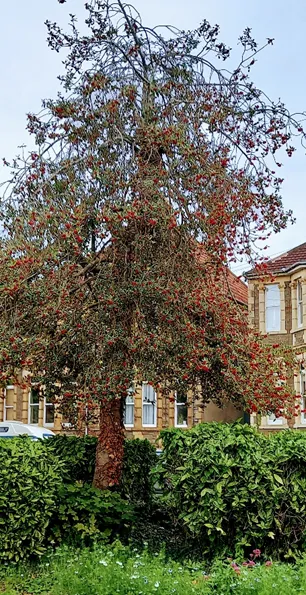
[283, 339]
[256, 308]
[288, 307]
[19, 404]
[299, 338]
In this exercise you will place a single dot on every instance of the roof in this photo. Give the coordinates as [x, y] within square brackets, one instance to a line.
[296, 257]
[236, 288]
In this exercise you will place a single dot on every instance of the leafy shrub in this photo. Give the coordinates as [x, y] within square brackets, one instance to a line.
[234, 489]
[85, 514]
[29, 480]
[77, 454]
[289, 454]
[137, 483]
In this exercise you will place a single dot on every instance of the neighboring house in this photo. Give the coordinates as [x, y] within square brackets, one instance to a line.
[146, 412]
[277, 307]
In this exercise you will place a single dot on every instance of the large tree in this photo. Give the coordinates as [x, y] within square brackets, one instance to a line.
[152, 170]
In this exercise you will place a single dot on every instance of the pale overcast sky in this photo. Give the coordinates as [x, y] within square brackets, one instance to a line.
[29, 69]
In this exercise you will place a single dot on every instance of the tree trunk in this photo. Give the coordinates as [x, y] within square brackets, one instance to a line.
[109, 454]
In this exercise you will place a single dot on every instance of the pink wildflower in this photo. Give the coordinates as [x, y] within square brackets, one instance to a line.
[256, 553]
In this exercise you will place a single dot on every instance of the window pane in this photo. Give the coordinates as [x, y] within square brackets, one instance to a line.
[181, 397]
[34, 409]
[181, 415]
[272, 297]
[129, 415]
[148, 405]
[49, 414]
[300, 302]
[149, 414]
[148, 393]
[9, 414]
[9, 397]
[34, 396]
[274, 420]
[302, 382]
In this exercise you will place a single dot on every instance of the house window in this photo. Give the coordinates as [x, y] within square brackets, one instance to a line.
[303, 393]
[272, 295]
[48, 413]
[299, 290]
[181, 409]
[33, 413]
[129, 409]
[149, 405]
[9, 403]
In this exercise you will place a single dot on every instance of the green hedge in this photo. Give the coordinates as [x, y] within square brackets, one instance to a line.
[40, 507]
[85, 515]
[233, 489]
[29, 480]
[77, 454]
[137, 484]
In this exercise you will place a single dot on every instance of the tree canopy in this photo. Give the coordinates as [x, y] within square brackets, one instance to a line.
[154, 168]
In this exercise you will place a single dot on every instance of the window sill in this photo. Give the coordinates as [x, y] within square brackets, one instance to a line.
[282, 332]
[149, 426]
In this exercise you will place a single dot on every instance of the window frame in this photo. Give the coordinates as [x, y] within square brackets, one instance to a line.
[176, 405]
[272, 307]
[5, 406]
[152, 403]
[299, 303]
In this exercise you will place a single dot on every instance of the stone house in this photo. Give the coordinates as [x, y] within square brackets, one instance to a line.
[146, 412]
[277, 308]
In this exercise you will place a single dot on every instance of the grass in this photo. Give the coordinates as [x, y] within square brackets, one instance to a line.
[117, 569]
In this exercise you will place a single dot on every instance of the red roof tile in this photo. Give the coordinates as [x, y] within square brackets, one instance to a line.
[283, 263]
[236, 288]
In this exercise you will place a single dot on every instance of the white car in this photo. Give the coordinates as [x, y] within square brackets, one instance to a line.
[11, 429]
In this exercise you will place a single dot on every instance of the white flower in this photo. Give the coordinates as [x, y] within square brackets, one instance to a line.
[119, 563]
[103, 562]
[156, 584]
